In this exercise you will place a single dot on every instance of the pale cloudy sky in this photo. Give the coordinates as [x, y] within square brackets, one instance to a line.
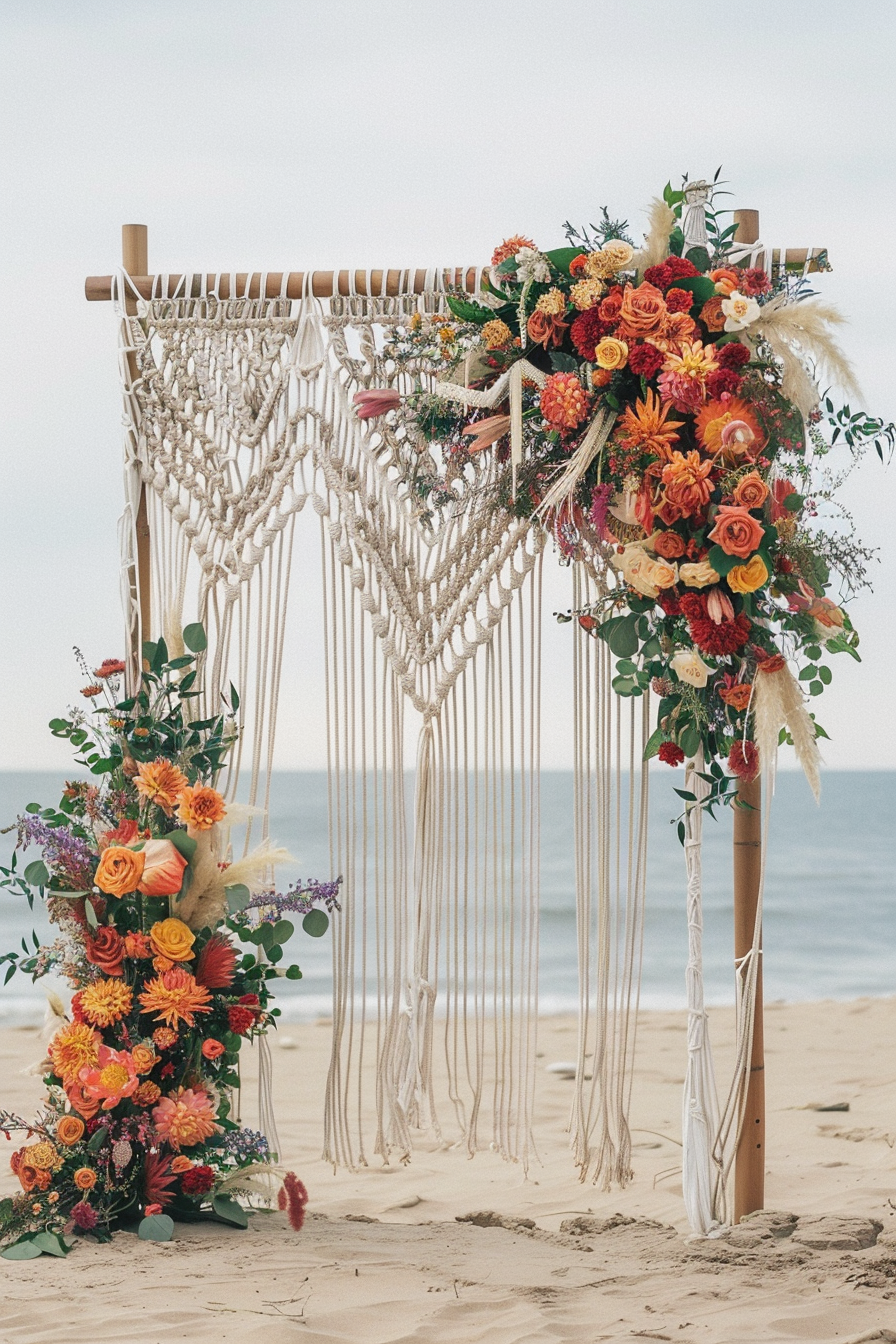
[279, 135]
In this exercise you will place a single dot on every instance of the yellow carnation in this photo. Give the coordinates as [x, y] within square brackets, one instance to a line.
[600, 265]
[495, 334]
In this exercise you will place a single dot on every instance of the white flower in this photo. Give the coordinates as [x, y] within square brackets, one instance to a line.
[739, 311]
[623, 507]
[689, 666]
[531, 265]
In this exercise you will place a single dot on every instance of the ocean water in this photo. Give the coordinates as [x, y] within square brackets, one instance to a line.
[830, 900]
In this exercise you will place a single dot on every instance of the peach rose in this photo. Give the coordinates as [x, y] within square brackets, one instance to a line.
[611, 354]
[747, 578]
[144, 1058]
[669, 545]
[698, 575]
[119, 870]
[751, 492]
[618, 253]
[663, 575]
[643, 311]
[180, 1164]
[85, 1178]
[163, 869]
[172, 939]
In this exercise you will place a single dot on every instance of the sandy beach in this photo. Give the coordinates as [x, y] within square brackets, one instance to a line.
[389, 1256]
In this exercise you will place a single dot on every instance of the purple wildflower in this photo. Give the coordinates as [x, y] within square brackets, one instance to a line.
[301, 897]
[68, 857]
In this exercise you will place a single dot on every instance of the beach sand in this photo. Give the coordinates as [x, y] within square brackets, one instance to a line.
[383, 1257]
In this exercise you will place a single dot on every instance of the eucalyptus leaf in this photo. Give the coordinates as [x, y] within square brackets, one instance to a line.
[238, 897]
[283, 930]
[689, 740]
[37, 873]
[22, 1250]
[195, 637]
[230, 1211]
[157, 1227]
[51, 1243]
[90, 915]
[316, 923]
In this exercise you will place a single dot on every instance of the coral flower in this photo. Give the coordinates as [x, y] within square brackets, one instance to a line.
[483, 433]
[125, 833]
[174, 996]
[160, 782]
[677, 329]
[113, 1078]
[648, 426]
[79, 1101]
[106, 1002]
[736, 531]
[695, 360]
[163, 869]
[185, 1118]
[509, 248]
[105, 949]
[157, 1177]
[737, 694]
[110, 667]
[200, 807]
[137, 945]
[180, 1164]
[212, 1049]
[73, 1046]
[164, 1037]
[564, 403]
[642, 313]
[743, 759]
[686, 484]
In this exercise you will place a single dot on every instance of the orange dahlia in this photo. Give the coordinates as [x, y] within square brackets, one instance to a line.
[174, 996]
[185, 1118]
[106, 1002]
[509, 248]
[147, 1094]
[685, 482]
[563, 401]
[73, 1046]
[648, 426]
[160, 782]
[200, 807]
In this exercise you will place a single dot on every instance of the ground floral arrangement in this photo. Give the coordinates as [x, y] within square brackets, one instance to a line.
[668, 422]
[138, 1127]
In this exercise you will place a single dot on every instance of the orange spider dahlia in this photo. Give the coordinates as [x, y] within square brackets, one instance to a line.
[648, 426]
[174, 996]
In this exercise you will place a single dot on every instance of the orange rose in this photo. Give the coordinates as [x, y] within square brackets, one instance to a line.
[736, 531]
[643, 312]
[545, 329]
[163, 870]
[144, 1058]
[79, 1101]
[751, 492]
[669, 545]
[725, 281]
[119, 870]
[69, 1129]
[85, 1178]
[212, 1049]
[105, 949]
[180, 1164]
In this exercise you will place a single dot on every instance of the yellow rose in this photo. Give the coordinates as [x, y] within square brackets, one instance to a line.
[747, 578]
[619, 253]
[611, 353]
[172, 939]
[699, 575]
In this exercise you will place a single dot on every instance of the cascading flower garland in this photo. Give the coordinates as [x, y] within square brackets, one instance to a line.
[138, 1124]
[670, 425]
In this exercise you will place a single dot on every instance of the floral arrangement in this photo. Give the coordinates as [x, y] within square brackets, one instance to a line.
[138, 1125]
[659, 411]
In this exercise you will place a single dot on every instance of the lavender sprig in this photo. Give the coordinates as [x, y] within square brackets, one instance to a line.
[69, 858]
[301, 897]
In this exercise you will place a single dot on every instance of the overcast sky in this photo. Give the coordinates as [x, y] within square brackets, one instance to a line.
[291, 135]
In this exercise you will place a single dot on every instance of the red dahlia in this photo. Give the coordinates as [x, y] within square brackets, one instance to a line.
[587, 330]
[197, 1181]
[670, 753]
[726, 637]
[679, 300]
[733, 355]
[645, 360]
[680, 268]
[669, 601]
[723, 380]
[240, 1019]
[660, 276]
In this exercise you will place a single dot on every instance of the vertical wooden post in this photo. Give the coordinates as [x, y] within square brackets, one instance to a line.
[749, 1166]
[135, 260]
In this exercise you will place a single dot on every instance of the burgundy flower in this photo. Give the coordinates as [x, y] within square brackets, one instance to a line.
[645, 360]
[84, 1216]
[726, 637]
[671, 753]
[293, 1196]
[722, 381]
[733, 355]
[754, 281]
[197, 1181]
[680, 268]
[587, 330]
[660, 276]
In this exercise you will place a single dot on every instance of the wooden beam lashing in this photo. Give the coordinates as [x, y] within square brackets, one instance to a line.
[101, 288]
[135, 261]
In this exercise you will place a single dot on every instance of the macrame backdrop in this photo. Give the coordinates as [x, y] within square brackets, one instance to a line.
[239, 414]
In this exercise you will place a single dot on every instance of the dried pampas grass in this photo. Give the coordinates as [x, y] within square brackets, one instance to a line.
[777, 703]
[661, 221]
[205, 902]
[793, 329]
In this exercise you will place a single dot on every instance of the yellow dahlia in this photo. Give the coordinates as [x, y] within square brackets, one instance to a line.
[106, 1002]
[495, 334]
[553, 303]
[174, 996]
[585, 293]
[72, 1047]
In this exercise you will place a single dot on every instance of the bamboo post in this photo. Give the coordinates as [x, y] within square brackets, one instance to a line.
[749, 1164]
[135, 260]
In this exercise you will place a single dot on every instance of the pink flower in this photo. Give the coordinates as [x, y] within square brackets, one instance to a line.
[185, 1118]
[718, 606]
[163, 871]
[113, 1078]
[486, 432]
[84, 1216]
[375, 402]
